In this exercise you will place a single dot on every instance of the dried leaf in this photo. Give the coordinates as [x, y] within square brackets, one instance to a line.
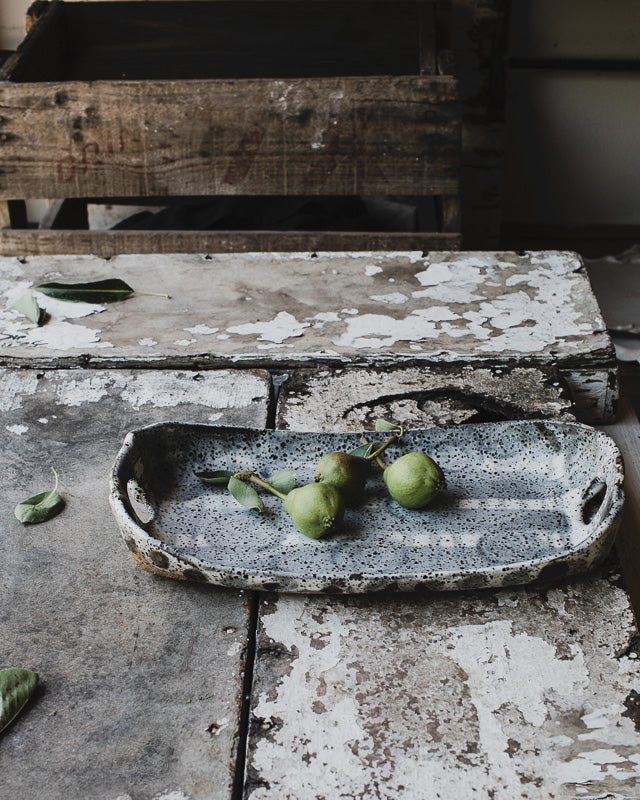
[16, 687]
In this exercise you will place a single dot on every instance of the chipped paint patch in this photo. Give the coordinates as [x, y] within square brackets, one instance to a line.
[202, 329]
[17, 429]
[518, 671]
[15, 386]
[371, 270]
[219, 390]
[282, 326]
[393, 298]
[184, 342]
[84, 390]
[172, 795]
[147, 342]
[378, 330]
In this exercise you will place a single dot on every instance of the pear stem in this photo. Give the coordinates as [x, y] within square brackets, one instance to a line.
[383, 447]
[152, 294]
[252, 477]
[379, 461]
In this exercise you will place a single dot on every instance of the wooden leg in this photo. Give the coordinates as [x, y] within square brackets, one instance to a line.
[448, 208]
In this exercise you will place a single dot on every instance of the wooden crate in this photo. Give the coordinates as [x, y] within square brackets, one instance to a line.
[128, 99]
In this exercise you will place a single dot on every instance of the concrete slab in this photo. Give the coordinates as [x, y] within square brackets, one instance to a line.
[290, 309]
[513, 694]
[141, 676]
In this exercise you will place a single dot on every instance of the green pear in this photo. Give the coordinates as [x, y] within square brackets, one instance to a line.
[315, 509]
[346, 473]
[413, 480]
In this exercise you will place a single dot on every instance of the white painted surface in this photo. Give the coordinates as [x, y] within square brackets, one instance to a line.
[492, 696]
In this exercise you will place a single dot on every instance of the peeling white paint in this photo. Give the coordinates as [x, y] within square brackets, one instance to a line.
[17, 429]
[147, 342]
[608, 726]
[219, 390]
[15, 386]
[378, 330]
[172, 795]
[184, 342]
[84, 390]
[282, 326]
[371, 270]
[43, 420]
[393, 298]
[333, 725]
[202, 329]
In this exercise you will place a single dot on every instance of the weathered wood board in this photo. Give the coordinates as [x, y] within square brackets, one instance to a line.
[141, 677]
[372, 135]
[29, 242]
[528, 693]
[286, 310]
[418, 397]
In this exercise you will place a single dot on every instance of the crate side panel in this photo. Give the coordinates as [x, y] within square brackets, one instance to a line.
[144, 138]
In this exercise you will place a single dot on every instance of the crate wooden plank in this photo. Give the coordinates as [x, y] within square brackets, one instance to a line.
[529, 692]
[190, 40]
[111, 243]
[340, 309]
[371, 135]
[141, 676]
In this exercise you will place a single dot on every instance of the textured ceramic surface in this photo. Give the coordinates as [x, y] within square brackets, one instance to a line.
[524, 501]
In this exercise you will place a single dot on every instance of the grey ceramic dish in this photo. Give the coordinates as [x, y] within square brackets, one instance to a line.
[524, 501]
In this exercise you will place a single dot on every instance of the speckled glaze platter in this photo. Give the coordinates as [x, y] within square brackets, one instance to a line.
[524, 501]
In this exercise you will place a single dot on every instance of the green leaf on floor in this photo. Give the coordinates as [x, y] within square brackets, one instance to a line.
[110, 290]
[40, 507]
[28, 306]
[246, 495]
[16, 687]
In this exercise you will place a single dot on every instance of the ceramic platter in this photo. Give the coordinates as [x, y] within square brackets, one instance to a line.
[524, 501]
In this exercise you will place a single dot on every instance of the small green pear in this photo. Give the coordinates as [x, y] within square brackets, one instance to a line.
[413, 480]
[315, 509]
[346, 473]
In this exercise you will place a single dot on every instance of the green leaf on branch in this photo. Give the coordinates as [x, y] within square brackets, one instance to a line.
[245, 495]
[365, 449]
[106, 291]
[383, 425]
[217, 477]
[40, 507]
[16, 687]
[283, 481]
[28, 306]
